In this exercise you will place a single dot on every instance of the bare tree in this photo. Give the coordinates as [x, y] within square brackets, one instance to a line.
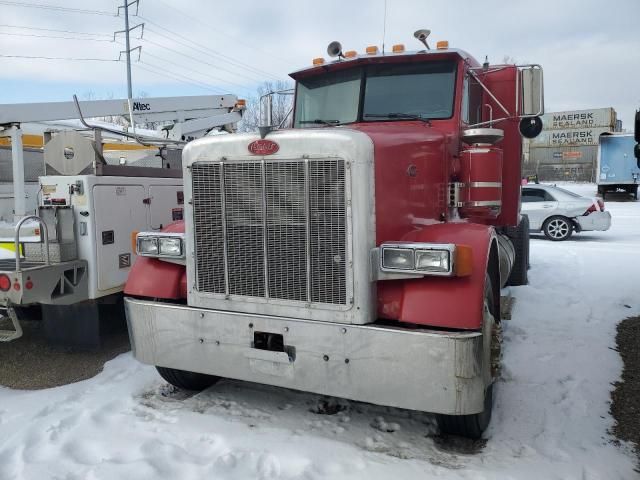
[281, 106]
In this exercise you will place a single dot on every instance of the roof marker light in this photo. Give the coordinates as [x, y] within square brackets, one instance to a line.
[350, 54]
[372, 50]
[398, 48]
[442, 45]
[318, 61]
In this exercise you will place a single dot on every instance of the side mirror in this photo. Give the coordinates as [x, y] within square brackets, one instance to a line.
[636, 135]
[530, 127]
[532, 92]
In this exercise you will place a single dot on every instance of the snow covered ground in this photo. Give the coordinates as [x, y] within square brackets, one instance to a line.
[550, 416]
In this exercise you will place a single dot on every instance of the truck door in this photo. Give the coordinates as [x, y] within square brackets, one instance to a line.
[166, 205]
[119, 210]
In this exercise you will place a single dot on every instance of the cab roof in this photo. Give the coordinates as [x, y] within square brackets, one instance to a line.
[387, 57]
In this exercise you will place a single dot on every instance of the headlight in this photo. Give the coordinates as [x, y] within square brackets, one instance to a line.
[398, 258]
[171, 246]
[167, 245]
[418, 258]
[147, 246]
[432, 260]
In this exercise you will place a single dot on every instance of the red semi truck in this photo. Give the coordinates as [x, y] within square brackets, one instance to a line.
[359, 254]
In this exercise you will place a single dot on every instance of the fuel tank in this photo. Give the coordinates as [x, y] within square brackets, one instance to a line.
[481, 178]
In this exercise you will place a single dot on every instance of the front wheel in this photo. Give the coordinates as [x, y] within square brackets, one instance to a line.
[187, 380]
[473, 425]
[468, 426]
[558, 228]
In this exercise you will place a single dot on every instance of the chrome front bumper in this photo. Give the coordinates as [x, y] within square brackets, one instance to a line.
[594, 221]
[433, 371]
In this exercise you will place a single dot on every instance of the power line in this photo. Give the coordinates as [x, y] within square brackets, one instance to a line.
[199, 60]
[55, 36]
[57, 31]
[188, 69]
[217, 30]
[34, 57]
[195, 71]
[57, 8]
[206, 50]
[176, 77]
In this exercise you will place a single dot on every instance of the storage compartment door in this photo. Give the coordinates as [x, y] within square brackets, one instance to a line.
[167, 205]
[119, 210]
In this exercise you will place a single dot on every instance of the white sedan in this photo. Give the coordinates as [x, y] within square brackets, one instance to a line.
[558, 212]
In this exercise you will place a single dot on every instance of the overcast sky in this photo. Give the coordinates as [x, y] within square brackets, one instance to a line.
[589, 49]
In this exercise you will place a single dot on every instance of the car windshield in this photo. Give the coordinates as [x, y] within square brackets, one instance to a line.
[418, 91]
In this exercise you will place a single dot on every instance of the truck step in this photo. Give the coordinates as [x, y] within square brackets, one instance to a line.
[9, 334]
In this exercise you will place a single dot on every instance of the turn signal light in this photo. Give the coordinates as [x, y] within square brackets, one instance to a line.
[241, 102]
[350, 54]
[442, 45]
[134, 242]
[372, 50]
[398, 48]
[318, 61]
[464, 261]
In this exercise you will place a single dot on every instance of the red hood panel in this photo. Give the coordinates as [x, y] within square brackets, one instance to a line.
[410, 175]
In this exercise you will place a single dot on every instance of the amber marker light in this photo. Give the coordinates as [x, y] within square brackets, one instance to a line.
[398, 48]
[442, 45]
[134, 234]
[350, 54]
[318, 61]
[372, 50]
[464, 261]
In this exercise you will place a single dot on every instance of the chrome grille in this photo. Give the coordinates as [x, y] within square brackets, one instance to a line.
[274, 229]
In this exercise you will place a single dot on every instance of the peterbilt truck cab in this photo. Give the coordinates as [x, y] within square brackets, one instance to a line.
[359, 254]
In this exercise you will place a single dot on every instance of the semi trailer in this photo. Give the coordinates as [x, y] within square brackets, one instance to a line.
[618, 168]
[359, 254]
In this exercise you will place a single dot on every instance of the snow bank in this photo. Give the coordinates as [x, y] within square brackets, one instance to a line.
[550, 419]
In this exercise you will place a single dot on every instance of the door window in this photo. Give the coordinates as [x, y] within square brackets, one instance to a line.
[530, 195]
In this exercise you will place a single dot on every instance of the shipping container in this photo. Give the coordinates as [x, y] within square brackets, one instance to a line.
[562, 163]
[574, 137]
[591, 118]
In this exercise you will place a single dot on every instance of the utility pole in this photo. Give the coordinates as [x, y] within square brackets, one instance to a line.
[128, 51]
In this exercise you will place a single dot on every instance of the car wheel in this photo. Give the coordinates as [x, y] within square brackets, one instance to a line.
[557, 228]
[187, 380]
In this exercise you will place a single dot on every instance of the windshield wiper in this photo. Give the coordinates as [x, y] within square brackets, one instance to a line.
[319, 121]
[408, 116]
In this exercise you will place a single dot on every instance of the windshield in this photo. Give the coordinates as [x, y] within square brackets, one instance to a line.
[421, 91]
[328, 99]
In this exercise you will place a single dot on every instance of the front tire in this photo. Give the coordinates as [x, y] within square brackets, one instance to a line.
[187, 380]
[468, 426]
[473, 425]
[557, 228]
[520, 239]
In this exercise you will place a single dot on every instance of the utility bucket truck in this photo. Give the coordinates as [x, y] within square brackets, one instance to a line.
[89, 206]
[359, 254]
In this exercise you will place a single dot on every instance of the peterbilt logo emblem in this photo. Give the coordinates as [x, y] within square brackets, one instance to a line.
[263, 147]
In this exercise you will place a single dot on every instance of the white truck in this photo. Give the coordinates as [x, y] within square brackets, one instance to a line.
[88, 209]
